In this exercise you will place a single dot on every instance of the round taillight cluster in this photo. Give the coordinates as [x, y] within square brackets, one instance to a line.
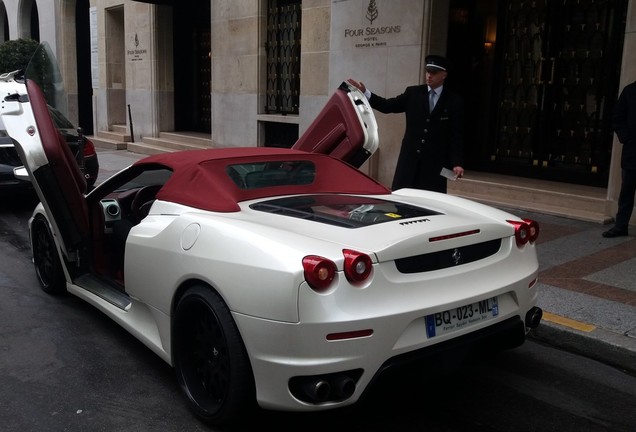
[357, 266]
[526, 231]
[320, 272]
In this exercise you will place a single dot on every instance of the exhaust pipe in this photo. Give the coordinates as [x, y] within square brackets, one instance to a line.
[317, 390]
[533, 317]
[344, 387]
[329, 387]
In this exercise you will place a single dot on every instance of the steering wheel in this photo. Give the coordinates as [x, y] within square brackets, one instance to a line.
[142, 202]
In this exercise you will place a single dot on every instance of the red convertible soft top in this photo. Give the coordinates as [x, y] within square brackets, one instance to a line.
[200, 177]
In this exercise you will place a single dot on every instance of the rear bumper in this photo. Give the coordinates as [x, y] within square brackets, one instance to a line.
[287, 357]
[9, 184]
[507, 334]
[91, 170]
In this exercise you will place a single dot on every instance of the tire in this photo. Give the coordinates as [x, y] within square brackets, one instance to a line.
[46, 259]
[211, 363]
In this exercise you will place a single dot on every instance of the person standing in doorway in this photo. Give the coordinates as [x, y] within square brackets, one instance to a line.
[624, 124]
[433, 137]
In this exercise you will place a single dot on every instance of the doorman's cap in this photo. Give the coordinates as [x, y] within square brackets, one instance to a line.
[436, 63]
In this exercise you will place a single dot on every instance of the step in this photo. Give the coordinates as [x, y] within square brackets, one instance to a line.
[559, 199]
[193, 138]
[120, 129]
[114, 135]
[107, 143]
[148, 149]
[174, 145]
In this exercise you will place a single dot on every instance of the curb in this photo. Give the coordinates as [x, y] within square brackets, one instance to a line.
[602, 345]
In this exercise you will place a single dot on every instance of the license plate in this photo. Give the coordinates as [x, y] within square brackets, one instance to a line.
[460, 317]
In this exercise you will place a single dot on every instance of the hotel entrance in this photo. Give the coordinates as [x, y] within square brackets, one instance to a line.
[192, 66]
[540, 79]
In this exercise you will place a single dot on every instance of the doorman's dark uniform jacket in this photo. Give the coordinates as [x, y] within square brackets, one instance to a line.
[431, 140]
[624, 123]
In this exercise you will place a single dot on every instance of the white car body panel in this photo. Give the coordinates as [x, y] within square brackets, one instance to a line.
[398, 321]
[290, 309]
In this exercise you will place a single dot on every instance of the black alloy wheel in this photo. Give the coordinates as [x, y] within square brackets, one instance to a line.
[210, 359]
[46, 260]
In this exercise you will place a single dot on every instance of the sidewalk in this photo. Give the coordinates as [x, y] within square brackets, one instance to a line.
[113, 161]
[587, 283]
[587, 290]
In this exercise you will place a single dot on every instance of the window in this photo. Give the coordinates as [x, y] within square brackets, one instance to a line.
[283, 56]
[267, 174]
[346, 211]
[282, 135]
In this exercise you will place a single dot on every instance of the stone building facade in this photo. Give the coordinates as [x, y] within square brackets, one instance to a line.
[214, 68]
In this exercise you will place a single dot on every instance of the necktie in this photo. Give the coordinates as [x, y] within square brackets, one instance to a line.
[431, 100]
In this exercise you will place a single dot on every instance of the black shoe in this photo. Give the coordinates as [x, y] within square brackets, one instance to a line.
[615, 232]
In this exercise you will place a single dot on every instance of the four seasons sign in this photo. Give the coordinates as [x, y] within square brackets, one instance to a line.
[371, 36]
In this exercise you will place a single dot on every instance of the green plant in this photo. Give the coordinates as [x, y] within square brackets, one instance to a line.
[15, 54]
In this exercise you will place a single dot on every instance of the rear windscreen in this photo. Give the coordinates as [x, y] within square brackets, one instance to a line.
[342, 210]
[267, 174]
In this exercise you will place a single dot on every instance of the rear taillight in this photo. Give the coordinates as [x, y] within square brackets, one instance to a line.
[89, 147]
[357, 266]
[525, 231]
[319, 272]
[534, 230]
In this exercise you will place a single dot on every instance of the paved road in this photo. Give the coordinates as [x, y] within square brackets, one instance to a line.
[66, 367]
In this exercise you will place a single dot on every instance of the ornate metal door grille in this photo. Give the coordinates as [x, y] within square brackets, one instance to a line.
[559, 83]
[283, 56]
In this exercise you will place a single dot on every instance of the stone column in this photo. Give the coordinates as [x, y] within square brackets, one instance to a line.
[628, 75]
[383, 44]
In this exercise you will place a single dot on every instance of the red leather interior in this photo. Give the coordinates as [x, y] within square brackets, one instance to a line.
[336, 131]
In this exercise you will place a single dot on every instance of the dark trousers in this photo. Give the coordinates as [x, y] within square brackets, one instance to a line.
[626, 199]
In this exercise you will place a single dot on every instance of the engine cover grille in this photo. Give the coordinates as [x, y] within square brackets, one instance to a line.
[448, 258]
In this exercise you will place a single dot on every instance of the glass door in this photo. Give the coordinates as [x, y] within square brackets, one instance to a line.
[548, 75]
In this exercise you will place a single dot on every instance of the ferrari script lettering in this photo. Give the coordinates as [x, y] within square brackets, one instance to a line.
[415, 221]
